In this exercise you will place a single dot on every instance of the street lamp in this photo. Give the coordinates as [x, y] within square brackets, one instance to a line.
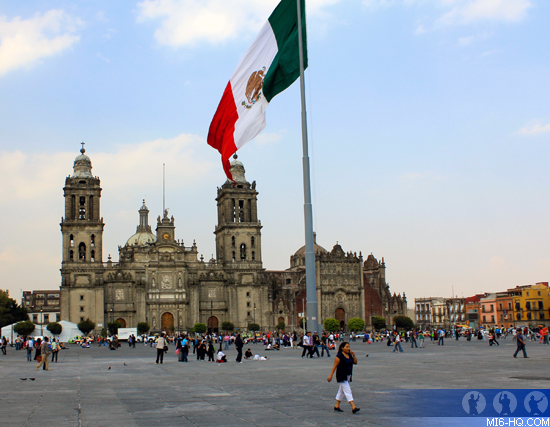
[41, 323]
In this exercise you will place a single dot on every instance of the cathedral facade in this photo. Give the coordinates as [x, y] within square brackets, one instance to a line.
[159, 280]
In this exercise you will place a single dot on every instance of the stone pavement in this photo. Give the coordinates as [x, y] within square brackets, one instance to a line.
[286, 390]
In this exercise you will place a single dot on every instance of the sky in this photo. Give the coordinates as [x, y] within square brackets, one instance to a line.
[429, 132]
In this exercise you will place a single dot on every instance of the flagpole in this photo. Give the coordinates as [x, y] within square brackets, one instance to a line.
[311, 279]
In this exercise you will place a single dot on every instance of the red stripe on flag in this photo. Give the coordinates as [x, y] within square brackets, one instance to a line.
[222, 128]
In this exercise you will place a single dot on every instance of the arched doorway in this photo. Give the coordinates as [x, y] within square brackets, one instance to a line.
[281, 320]
[167, 322]
[340, 315]
[122, 322]
[212, 325]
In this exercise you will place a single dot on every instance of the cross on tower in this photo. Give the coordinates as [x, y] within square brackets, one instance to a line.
[82, 150]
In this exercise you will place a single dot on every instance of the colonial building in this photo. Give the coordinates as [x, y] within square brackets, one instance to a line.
[160, 280]
[42, 306]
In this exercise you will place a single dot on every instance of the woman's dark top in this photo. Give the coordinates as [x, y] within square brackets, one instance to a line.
[344, 368]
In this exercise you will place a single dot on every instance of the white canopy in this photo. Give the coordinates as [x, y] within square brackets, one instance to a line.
[70, 330]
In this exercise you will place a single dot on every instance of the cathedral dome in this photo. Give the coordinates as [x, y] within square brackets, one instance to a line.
[143, 235]
[82, 165]
[317, 249]
[141, 238]
[237, 170]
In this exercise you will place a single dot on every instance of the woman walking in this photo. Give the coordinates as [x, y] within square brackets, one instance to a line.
[343, 365]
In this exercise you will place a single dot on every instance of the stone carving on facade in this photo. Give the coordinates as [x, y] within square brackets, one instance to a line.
[119, 294]
[166, 282]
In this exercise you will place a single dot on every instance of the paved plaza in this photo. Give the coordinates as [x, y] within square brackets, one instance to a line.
[286, 390]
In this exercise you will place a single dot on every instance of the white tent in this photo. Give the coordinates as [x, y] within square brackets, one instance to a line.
[70, 330]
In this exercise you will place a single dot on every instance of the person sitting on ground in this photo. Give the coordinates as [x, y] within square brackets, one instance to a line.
[248, 354]
[221, 358]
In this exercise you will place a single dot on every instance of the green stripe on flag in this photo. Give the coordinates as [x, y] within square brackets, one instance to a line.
[285, 68]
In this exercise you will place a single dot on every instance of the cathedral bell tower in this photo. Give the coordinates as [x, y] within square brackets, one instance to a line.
[238, 235]
[82, 225]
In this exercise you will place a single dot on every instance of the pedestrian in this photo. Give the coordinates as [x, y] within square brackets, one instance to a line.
[324, 347]
[45, 350]
[521, 344]
[413, 339]
[421, 339]
[315, 346]
[305, 345]
[4, 345]
[397, 345]
[343, 365]
[210, 351]
[441, 340]
[55, 350]
[239, 345]
[161, 348]
[30, 348]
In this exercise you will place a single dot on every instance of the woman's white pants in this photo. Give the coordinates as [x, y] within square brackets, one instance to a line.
[344, 390]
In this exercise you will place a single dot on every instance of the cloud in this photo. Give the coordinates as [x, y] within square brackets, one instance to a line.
[36, 176]
[534, 129]
[462, 12]
[188, 22]
[268, 138]
[23, 42]
[470, 11]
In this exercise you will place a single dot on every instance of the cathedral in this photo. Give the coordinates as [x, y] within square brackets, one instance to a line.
[159, 280]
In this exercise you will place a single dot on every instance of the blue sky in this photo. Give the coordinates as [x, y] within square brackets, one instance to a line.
[429, 129]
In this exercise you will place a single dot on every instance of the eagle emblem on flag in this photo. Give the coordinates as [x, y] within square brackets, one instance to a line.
[254, 88]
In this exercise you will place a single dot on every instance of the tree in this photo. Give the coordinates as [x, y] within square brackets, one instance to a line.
[103, 333]
[280, 326]
[55, 328]
[24, 328]
[113, 327]
[199, 328]
[10, 311]
[86, 326]
[356, 324]
[378, 322]
[228, 326]
[253, 327]
[403, 322]
[143, 328]
[331, 325]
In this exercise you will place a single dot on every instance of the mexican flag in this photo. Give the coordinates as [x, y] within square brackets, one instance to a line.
[269, 66]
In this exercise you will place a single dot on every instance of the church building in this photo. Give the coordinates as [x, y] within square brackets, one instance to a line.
[159, 280]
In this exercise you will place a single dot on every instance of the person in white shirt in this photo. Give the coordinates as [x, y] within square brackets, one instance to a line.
[161, 343]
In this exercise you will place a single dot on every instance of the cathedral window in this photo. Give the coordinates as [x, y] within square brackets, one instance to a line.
[243, 251]
[82, 208]
[82, 252]
[233, 216]
[253, 256]
[91, 205]
[233, 256]
[81, 309]
[241, 211]
[81, 297]
[249, 314]
[248, 304]
[92, 240]
[71, 255]
[252, 242]
[71, 240]
[92, 256]
[233, 241]
[248, 294]
[72, 214]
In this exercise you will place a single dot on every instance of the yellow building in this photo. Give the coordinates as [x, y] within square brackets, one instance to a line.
[531, 304]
